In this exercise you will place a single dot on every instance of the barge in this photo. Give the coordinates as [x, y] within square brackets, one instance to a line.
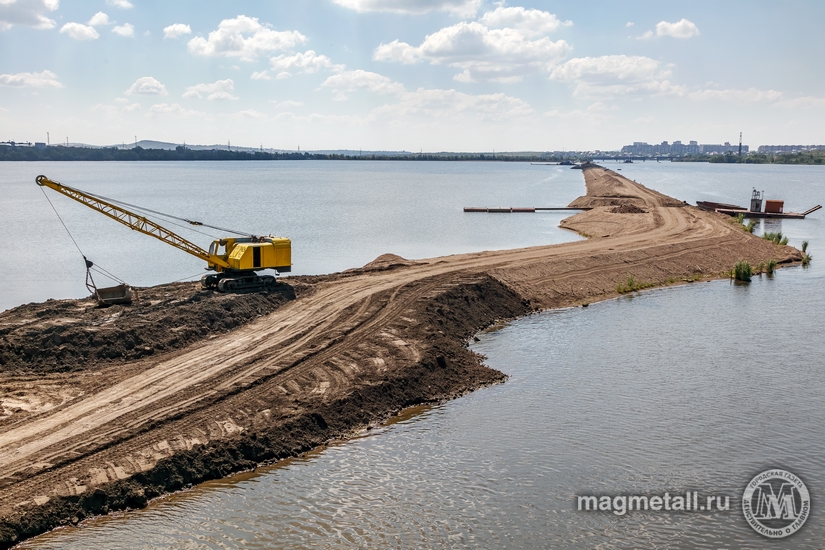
[773, 208]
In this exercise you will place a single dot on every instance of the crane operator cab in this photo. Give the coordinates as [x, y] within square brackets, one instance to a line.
[237, 259]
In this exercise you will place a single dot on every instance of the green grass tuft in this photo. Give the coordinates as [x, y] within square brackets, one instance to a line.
[742, 271]
[632, 285]
[775, 237]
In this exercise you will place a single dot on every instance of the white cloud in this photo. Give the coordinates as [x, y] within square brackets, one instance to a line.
[245, 38]
[111, 111]
[176, 30]
[126, 29]
[98, 19]
[751, 95]
[46, 79]
[307, 62]
[629, 24]
[79, 31]
[680, 29]
[287, 104]
[252, 113]
[441, 104]
[173, 109]
[28, 13]
[579, 115]
[146, 85]
[531, 22]
[424, 102]
[599, 106]
[503, 55]
[108, 110]
[805, 101]
[611, 75]
[349, 81]
[613, 67]
[122, 4]
[222, 89]
[464, 8]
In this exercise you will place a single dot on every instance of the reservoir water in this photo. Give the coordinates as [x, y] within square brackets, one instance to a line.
[339, 215]
[693, 388]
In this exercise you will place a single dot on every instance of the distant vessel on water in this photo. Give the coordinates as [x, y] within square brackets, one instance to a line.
[773, 208]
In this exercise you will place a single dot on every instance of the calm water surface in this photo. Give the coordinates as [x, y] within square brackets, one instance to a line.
[694, 388]
[338, 214]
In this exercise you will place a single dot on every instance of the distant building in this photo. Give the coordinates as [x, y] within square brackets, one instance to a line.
[726, 148]
[39, 145]
[641, 148]
[789, 148]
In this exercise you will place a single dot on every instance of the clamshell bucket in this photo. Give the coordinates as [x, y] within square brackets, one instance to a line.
[120, 294]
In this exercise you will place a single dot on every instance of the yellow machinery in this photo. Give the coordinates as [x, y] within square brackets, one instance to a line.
[234, 260]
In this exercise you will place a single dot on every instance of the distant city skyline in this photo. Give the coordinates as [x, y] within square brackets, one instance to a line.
[434, 75]
[677, 147]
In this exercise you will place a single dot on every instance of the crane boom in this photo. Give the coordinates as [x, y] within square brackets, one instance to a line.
[133, 221]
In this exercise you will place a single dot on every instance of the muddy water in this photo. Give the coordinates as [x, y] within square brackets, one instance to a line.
[695, 388]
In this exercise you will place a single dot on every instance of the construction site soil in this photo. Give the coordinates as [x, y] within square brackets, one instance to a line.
[71, 335]
[104, 409]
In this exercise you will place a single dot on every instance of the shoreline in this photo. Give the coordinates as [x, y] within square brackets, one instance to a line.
[353, 351]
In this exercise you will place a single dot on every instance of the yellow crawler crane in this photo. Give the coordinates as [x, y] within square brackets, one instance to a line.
[235, 260]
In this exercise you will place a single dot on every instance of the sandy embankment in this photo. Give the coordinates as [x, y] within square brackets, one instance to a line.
[89, 427]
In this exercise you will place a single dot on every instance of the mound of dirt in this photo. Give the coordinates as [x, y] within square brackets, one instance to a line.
[385, 262]
[628, 209]
[71, 335]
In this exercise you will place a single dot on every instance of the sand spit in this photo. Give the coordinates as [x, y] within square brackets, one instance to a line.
[85, 432]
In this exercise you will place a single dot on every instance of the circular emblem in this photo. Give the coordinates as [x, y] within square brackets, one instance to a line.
[776, 503]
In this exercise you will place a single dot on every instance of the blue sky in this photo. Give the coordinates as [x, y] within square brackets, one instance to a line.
[466, 75]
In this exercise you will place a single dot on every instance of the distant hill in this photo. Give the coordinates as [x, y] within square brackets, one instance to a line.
[168, 146]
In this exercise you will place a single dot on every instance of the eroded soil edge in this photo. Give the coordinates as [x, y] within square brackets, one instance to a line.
[446, 369]
[88, 430]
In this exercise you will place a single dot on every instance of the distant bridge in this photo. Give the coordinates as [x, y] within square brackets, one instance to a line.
[633, 158]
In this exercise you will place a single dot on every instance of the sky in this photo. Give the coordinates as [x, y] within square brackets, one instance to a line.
[414, 75]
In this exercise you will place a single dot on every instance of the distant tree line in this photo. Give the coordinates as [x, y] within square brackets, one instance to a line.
[807, 157]
[184, 153]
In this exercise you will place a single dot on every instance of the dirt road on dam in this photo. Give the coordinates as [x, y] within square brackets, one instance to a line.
[104, 409]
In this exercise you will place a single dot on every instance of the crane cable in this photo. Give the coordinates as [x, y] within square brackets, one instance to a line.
[96, 267]
[190, 222]
[89, 265]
